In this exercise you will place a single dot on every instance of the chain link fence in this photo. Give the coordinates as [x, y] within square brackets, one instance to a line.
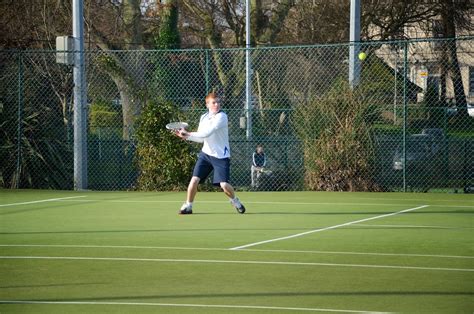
[406, 124]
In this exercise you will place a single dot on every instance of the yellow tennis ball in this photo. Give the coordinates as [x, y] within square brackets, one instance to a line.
[362, 56]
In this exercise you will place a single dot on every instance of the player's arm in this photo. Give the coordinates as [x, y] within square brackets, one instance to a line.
[202, 133]
[186, 135]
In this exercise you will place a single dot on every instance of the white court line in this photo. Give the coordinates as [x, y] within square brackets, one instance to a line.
[41, 201]
[221, 249]
[226, 202]
[259, 307]
[358, 253]
[413, 226]
[205, 261]
[327, 228]
[266, 203]
[413, 199]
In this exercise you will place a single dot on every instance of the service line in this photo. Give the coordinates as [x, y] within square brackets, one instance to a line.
[327, 228]
[41, 201]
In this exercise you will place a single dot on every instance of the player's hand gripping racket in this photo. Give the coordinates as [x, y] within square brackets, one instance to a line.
[178, 128]
[265, 171]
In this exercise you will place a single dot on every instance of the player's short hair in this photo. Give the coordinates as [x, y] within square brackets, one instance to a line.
[213, 96]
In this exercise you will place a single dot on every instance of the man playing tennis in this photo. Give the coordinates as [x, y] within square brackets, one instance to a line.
[213, 131]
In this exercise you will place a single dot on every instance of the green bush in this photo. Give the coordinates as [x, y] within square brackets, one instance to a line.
[165, 161]
[337, 144]
[103, 114]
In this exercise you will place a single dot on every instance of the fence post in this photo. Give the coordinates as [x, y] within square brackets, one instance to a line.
[20, 111]
[80, 99]
[465, 169]
[207, 71]
[354, 48]
[445, 146]
[405, 112]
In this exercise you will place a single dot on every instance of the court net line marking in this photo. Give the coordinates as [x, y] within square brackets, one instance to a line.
[264, 203]
[41, 201]
[260, 307]
[327, 228]
[224, 249]
[205, 261]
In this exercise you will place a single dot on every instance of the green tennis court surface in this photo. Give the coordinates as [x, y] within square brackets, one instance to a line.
[123, 252]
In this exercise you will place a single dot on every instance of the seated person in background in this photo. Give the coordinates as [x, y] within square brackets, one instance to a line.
[258, 163]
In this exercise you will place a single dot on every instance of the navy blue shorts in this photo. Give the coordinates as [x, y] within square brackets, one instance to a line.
[205, 164]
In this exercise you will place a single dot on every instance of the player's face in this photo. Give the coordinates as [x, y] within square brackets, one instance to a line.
[213, 105]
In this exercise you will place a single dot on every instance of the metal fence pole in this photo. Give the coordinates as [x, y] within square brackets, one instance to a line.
[354, 63]
[248, 73]
[207, 70]
[80, 110]
[20, 111]
[395, 92]
[405, 113]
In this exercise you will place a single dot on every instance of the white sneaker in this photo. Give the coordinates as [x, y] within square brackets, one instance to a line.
[186, 209]
[238, 205]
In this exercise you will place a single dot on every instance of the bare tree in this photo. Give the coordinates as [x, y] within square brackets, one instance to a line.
[454, 15]
[387, 19]
[317, 22]
[44, 21]
[221, 23]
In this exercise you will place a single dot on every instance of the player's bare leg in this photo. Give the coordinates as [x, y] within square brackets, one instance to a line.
[230, 192]
[187, 207]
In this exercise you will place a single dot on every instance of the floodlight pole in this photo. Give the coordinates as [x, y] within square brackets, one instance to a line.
[354, 37]
[248, 73]
[80, 98]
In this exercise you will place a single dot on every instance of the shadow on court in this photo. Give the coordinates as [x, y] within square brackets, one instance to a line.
[155, 230]
[267, 294]
[53, 285]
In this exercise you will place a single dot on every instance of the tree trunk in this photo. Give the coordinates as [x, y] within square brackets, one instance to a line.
[129, 109]
[132, 19]
[276, 22]
[449, 28]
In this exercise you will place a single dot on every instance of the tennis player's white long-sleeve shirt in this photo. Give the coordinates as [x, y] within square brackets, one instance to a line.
[213, 131]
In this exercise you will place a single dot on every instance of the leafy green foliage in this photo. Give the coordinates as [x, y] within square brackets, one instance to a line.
[103, 114]
[337, 145]
[34, 146]
[164, 160]
[105, 120]
[168, 35]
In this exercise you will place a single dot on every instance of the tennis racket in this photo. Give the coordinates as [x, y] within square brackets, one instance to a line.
[175, 126]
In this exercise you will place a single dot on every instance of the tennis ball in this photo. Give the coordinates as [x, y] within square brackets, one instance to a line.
[362, 56]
